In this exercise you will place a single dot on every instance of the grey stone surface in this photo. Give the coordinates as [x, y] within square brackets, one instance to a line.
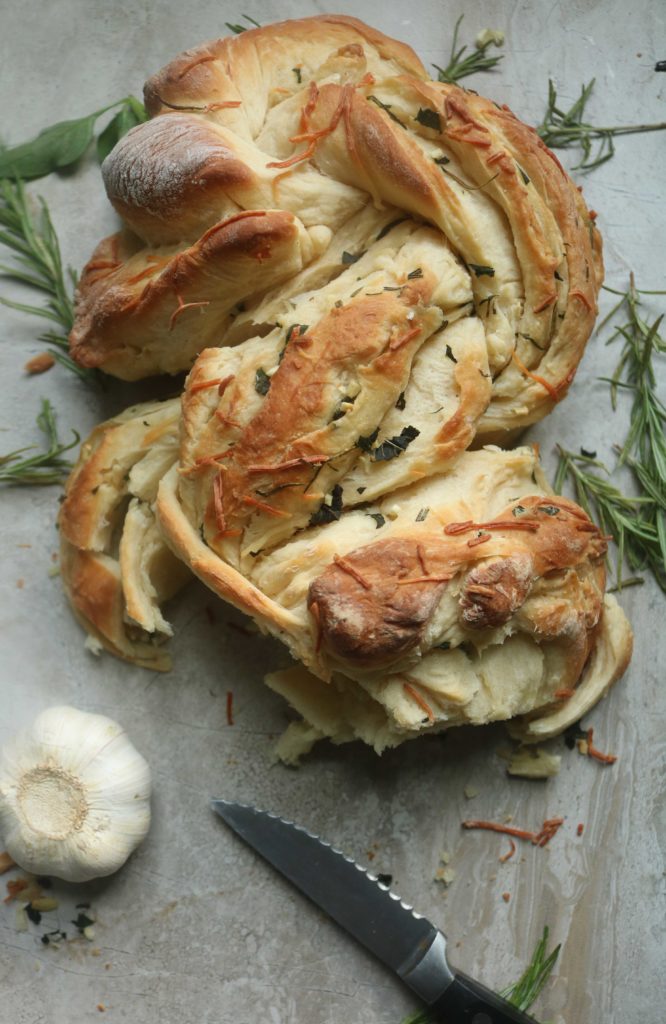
[195, 928]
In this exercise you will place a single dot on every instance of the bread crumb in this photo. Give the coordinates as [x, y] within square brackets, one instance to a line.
[534, 763]
[20, 583]
[101, 1007]
[470, 792]
[506, 896]
[445, 876]
[45, 904]
[445, 856]
[40, 363]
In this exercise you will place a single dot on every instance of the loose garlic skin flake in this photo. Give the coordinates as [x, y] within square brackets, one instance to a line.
[74, 796]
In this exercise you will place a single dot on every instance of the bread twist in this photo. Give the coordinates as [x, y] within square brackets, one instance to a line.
[366, 272]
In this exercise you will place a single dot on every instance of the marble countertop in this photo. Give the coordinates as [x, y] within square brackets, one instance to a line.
[196, 929]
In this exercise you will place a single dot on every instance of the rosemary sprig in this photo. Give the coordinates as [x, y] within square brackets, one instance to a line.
[536, 974]
[46, 467]
[460, 66]
[564, 129]
[525, 991]
[630, 520]
[638, 524]
[242, 28]
[33, 240]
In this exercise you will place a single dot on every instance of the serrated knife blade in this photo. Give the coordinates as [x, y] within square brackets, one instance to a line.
[377, 917]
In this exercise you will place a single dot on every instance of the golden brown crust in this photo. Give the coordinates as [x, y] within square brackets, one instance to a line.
[144, 314]
[372, 606]
[417, 274]
[235, 128]
[115, 577]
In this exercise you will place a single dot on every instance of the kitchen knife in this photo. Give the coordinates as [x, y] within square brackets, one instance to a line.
[402, 939]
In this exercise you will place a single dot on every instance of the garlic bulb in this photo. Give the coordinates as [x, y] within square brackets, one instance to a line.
[74, 796]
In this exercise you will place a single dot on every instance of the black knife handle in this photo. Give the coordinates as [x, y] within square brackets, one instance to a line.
[467, 1001]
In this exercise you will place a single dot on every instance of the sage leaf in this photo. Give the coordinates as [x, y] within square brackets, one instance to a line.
[55, 148]
[129, 116]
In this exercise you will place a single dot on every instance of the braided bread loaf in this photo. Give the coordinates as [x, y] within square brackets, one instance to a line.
[366, 272]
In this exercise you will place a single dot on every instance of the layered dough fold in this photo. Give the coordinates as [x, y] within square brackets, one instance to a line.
[366, 274]
[264, 155]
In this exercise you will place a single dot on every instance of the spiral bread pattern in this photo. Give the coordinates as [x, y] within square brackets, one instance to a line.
[365, 273]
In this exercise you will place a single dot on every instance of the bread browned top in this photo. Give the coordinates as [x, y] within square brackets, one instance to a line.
[365, 273]
[254, 179]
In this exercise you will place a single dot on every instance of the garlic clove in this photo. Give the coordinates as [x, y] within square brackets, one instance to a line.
[74, 795]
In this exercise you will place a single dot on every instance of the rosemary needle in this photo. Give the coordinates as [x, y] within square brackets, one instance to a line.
[460, 66]
[562, 129]
[535, 976]
[38, 264]
[242, 28]
[46, 467]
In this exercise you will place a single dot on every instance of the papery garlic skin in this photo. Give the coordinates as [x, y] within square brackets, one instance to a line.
[74, 796]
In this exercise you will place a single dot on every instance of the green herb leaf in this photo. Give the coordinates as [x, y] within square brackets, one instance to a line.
[422, 515]
[129, 116]
[82, 922]
[387, 110]
[56, 147]
[348, 258]
[262, 381]
[366, 443]
[46, 467]
[389, 227]
[328, 512]
[378, 518]
[481, 271]
[395, 446]
[429, 119]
